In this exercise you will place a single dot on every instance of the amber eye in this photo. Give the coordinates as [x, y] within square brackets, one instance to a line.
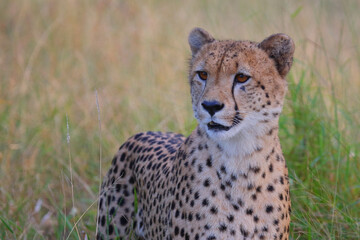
[202, 75]
[241, 78]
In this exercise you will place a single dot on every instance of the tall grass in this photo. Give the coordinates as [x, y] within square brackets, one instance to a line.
[55, 54]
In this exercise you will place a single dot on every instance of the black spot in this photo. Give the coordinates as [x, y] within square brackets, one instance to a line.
[233, 177]
[131, 180]
[223, 169]
[113, 162]
[112, 211]
[228, 183]
[228, 196]
[253, 197]
[213, 193]
[123, 220]
[103, 220]
[190, 217]
[270, 188]
[205, 202]
[222, 227]
[240, 202]
[196, 195]
[207, 183]
[199, 168]
[213, 210]
[281, 180]
[281, 196]
[271, 167]
[118, 187]
[111, 229]
[243, 231]
[177, 213]
[269, 208]
[209, 162]
[112, 180]
[249, 211]
[121, 201]
[122, 173]
[100, 204]
[182, 232]
[236, 207]
[123, 156]
[126, 193]
[218, 175]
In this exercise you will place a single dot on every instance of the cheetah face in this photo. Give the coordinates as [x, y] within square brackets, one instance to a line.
[238, 86]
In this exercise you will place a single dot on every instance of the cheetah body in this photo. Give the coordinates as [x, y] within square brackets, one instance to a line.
[228, 179]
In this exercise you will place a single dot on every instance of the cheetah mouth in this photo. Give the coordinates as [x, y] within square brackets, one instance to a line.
[217, 127]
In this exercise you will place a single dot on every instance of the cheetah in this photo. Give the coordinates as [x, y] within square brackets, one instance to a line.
[228, 179]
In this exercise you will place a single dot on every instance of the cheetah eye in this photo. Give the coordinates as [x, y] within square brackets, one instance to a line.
[202, 75]
[241, 78]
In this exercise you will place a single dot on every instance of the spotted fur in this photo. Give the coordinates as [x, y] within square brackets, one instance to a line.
[228, 179]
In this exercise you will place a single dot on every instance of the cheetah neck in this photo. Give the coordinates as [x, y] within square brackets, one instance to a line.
[246, 142]
[239, 155]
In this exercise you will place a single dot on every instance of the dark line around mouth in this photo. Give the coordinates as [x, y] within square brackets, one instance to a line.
[217, 127]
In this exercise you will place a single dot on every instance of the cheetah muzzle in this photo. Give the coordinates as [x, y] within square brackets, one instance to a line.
[228, 179]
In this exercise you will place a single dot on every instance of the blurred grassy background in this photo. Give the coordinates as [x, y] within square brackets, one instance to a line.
[55, 54]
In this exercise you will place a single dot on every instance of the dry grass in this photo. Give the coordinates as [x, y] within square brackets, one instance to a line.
[55, 54]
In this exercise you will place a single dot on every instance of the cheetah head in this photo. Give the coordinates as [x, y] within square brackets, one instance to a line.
[238, 87]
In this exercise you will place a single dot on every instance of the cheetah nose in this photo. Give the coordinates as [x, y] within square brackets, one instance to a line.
[212, 106]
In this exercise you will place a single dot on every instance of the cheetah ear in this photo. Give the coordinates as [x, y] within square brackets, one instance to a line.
[279, 47]
[198, 37]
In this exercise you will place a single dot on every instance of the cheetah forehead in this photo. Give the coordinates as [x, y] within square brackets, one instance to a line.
[273, 53]
[231, 56]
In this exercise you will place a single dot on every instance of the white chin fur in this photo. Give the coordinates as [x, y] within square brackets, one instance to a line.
[221, 135]
[241, 139]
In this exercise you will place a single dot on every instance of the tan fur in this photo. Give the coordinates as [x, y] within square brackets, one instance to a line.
[215, 184]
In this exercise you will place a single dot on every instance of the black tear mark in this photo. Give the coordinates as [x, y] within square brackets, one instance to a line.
[233, 96]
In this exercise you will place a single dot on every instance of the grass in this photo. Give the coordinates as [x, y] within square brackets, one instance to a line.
[54, 55]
